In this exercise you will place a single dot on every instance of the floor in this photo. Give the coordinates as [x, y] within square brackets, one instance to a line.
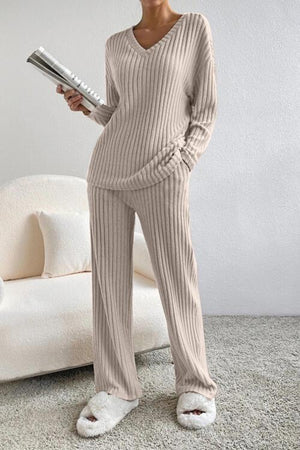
[253, 360]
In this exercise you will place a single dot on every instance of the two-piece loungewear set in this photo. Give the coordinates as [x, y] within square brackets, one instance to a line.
[158, 118]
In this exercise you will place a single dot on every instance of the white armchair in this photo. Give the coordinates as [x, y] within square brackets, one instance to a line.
[46, 323]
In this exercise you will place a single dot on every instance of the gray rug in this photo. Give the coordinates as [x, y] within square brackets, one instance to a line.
[252, 359]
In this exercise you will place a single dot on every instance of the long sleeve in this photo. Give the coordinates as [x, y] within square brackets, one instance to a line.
[203, 100]
[102, 113]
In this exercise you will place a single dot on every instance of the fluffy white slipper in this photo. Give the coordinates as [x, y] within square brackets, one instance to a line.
[189, 401]
[107, 409]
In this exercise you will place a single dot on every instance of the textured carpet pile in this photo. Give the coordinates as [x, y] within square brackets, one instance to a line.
[253, 360]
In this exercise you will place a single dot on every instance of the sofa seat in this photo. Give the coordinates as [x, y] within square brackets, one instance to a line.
[46, 323]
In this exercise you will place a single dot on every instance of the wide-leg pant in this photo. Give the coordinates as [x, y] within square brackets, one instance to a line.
[163, 210]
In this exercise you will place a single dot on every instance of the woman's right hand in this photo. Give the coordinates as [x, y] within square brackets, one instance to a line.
[73, 98]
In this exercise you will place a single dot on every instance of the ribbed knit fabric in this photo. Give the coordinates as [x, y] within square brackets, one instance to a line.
[160, 105]
[163, 210]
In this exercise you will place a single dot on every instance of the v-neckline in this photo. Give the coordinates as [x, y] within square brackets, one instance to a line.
[146, 51]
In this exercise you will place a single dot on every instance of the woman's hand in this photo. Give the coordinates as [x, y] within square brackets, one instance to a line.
[73, 98]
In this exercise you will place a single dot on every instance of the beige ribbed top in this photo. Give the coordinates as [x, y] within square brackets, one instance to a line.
[160, 105]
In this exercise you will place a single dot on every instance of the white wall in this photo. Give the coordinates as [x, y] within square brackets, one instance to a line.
[244, 192]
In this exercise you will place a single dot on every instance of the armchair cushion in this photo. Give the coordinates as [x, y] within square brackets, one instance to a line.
[67, 246]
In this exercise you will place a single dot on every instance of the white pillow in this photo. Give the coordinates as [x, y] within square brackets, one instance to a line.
[67, 244]
[1, 289]
[141, 258]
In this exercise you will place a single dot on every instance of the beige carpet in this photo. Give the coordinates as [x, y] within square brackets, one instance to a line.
[253, 360]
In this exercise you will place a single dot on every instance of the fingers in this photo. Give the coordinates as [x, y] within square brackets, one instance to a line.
[70, 93]
[67, 94]
[72, 97]
[74, 102]
[59, 89]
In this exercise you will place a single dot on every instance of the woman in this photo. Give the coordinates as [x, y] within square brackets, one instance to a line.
[158, 119]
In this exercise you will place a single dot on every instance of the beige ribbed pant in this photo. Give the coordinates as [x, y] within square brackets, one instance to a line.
[163, 210]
